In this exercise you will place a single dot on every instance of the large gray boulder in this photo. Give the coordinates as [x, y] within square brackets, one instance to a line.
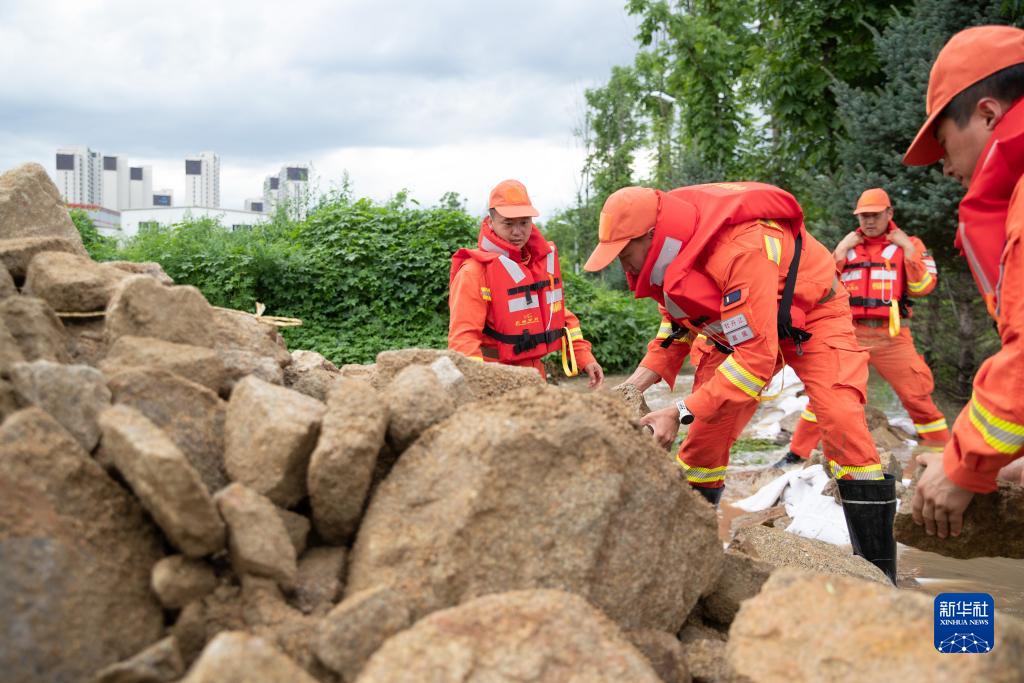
[487, 639]
[191, 415]
[270, 432]
[484, 380]
[74, 395]
[542, 488]
[142, 307]
[341, 467]
[75, 557]
[805, 626]
[36, 329]
[31, 206]
[71, 283]
[416, 401]
[195, 363]
[166, 484]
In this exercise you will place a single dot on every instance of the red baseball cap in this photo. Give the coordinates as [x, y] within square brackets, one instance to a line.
[627, 214]
[872, 201]
[509, 198]
[969, 56]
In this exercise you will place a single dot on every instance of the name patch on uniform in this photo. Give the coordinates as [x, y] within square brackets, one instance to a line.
[731, 298]
[737, 330]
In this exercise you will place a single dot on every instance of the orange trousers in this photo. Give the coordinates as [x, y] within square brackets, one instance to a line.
[899, 364]
[834, 370]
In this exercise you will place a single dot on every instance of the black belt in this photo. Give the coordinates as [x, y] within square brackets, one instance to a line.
[524, 341]
[870, 302]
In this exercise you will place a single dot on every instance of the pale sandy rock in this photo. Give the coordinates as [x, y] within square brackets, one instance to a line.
[35, 328]
[416, 401]
[178, 580]
[142, 307]
[194, 363]
[237, 657]
[71, 283]
[357, 627]
[74, 395]
[31, 206]
[258, 542]
[783, 549]
[158, 663]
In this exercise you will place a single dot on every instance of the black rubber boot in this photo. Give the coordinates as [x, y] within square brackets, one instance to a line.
[788, 459]
[711, 495]
[870, 508]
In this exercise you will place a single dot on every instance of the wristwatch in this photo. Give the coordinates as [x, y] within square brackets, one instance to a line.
[685, 416]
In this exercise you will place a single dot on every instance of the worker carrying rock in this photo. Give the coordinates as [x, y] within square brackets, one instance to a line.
[975, 126]
[884, 269]
[507, 298]
[734, 262]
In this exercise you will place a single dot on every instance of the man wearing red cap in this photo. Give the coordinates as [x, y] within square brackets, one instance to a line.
[883, 269]
[506, 296]
[734, 262]
[975, 126]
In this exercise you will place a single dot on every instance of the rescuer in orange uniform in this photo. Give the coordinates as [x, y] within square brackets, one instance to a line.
[975, 126]
[506, 297]
[734, 262]
[883, 269]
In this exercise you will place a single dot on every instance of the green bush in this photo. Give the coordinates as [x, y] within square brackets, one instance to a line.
[100, 248]
[364, 277]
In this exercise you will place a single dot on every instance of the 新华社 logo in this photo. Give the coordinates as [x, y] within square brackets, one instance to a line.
[964, 623]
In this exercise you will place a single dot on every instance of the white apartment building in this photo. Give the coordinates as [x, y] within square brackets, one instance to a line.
[140, 187]
[231, 219]
[202, 180]
[163, 197]
[293, 190]
[79, 175]
[271, 185]
[256, 205]
[115, 184]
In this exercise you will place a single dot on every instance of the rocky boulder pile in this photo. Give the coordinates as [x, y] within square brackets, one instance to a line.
[183, 499]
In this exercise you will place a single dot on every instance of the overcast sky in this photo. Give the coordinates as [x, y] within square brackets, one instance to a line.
[429, 96]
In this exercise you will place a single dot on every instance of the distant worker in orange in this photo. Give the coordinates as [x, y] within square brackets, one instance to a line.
[733, 261]
[506, 297]
[975, 126]
[883, 269]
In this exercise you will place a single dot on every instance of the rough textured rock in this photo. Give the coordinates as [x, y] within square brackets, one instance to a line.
[298, 527]
[7, 287]
[150, 268]
[242, 331]
[882, 634]
[270, 433]
[320, 580]
[239, 364]
[993, 525]
[178, 580]
[664, 652]
[10, 352]
[8, 399]
[761, 517]
[201, 620]
[257, 539]
[341, 467]
[237, 657]
[268, 615]
[416, 401]
[74, 395]
[707, 662]
[194, 363]
[75, 557]
[166, 484]
[452, 380]
[191, 415]
[36, 329]
[485, 380]
[17, 252]
[311, 374]
[158, 663]
[31, 206]
[87, 339]
[886, 439]
[741, 578]
[71, 283]
[782, 549]
[633, 398]
[142, 307]
[356, 628]
[568, 641]
[540, 488]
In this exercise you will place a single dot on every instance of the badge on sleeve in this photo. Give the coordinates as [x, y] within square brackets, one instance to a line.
[731, 298]
[737, 329]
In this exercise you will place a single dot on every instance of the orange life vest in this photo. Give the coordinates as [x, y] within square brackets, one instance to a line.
[688, 218]
[875, 277]
[526, 311]
[981, 235]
